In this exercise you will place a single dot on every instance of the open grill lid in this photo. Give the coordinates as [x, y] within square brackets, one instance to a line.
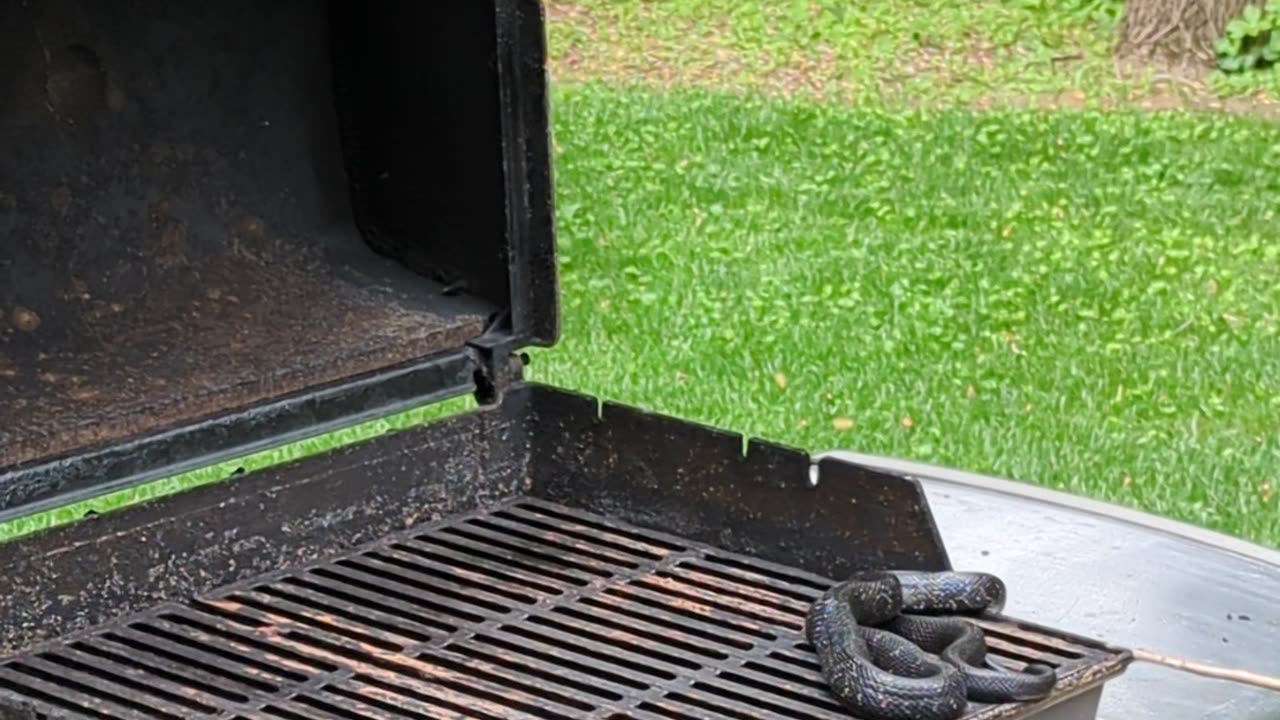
[227, 225]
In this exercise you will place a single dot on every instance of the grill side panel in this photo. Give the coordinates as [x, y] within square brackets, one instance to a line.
[82, 575]
[751, 497]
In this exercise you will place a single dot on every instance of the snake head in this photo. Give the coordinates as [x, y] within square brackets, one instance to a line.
[997, 593]
[983, 592]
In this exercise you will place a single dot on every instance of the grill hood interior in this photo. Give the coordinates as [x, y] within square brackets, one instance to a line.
[212, 212]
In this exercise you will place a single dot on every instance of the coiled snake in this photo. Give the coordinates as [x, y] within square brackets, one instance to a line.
[887, 656]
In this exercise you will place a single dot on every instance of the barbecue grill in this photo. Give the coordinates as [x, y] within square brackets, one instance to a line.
[226, 226]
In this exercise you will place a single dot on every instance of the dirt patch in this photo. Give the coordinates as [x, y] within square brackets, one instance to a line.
[590, 45]
[595, 48]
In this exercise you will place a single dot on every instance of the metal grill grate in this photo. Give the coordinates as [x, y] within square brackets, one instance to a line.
[532, 610]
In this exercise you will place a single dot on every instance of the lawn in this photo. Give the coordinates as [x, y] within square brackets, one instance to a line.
[810, 239]
[1087, 301]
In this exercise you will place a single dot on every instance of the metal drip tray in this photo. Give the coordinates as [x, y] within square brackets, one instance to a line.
[528, 609]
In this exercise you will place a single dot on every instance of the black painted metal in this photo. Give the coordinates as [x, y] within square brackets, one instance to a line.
[641, 468]
[48, 485]
[532, 264]
[752, 497]
[70, 578]
[445, 131]
[524, 609]
[211, 213]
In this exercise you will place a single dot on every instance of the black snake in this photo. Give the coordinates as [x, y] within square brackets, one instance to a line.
[887, 656]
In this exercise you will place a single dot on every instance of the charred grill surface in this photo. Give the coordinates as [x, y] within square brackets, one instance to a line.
[527, 610]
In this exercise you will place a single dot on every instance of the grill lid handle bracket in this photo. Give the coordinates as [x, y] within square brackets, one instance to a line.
[498, 364]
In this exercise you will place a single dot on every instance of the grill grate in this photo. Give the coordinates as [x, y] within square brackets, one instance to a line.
[532, 610]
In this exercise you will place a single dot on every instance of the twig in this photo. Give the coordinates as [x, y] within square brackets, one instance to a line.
[1243, 677]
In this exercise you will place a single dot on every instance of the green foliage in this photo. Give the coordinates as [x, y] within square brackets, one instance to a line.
[1252, 40]
[1105, 12]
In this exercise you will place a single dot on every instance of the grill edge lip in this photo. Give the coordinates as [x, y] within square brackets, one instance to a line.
[585, 642]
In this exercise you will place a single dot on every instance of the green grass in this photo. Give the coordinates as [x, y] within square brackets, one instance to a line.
[1087, 301]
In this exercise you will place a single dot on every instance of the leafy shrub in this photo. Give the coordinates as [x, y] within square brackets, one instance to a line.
[1252, 40]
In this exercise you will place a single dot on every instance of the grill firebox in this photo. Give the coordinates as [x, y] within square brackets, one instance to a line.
[526, 610]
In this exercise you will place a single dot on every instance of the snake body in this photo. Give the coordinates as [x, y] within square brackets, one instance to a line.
[886, 655]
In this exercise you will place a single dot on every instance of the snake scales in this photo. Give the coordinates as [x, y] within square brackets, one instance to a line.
[886, 655]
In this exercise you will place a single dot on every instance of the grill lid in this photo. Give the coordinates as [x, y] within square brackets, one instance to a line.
[226, 225]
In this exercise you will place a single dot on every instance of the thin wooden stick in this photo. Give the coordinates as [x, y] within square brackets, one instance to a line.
[1243, 677]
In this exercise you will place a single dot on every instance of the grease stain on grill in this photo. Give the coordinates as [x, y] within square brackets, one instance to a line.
[532, 610]
[26, 320]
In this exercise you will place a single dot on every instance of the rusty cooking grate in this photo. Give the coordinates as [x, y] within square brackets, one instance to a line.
[531, 610]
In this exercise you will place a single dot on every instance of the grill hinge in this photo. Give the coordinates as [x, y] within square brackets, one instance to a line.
[497, 360]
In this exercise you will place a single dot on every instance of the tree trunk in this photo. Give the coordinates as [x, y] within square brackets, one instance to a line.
[1176, 32]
